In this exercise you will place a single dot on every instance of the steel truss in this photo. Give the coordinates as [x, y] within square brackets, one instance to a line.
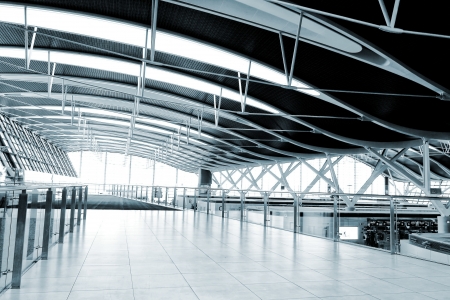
[23, 149]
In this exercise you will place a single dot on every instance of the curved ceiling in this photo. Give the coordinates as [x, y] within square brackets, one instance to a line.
[213, 84]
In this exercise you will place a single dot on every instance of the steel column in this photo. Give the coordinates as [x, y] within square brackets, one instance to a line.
[85, 201]
[223, 204]
[195, 200]
[295, 213]
[47, 221]
[242, 205]
[184, 198]
[207, 201]
[266, 200]
[80, 203]
[335, 219]
[72, 209]
[426, 167]
[62, 220]
[167, 192]
[392, 226]
[174, 196]
[20, 239]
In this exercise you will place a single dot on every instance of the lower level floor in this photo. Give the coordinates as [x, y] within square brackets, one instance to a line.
[134, 255]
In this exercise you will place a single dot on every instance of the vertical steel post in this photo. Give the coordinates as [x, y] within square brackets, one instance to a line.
[174, 196]
[85, 201]
[146, 194]
[20, 240]
[80, 204]
[47, 220]
[153, 194]
[32, 226]
[223, 204]
[195, 200]
[184, 198]
[295, 213]
[266, 200]
[392, 226]
[242, 205]
[426, 167]
[104, 172]
[167, 192]
[335, 220]
[72, 209]
[207, 202]
[62, 220]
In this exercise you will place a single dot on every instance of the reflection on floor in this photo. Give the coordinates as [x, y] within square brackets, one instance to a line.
[181, 255]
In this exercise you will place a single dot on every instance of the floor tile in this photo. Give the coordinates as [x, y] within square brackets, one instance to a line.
[102, 295]
[279, 291]
[257, 277]
[158, 281]
[225, 292]
[329, 288]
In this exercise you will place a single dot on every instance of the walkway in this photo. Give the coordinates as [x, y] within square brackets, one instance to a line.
[181, 255]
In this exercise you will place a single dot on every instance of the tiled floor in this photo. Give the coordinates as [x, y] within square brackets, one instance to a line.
[178, 255]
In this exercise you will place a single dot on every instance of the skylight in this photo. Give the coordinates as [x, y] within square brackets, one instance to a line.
[126, 33]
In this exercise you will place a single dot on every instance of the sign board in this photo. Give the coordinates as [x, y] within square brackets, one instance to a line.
[435, 191]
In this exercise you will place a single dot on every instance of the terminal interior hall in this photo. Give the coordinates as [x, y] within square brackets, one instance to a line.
[224, 149]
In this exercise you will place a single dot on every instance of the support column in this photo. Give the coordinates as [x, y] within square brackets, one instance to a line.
[242, 205]
[47, 221]
[266, 200]
[80, 204]
[81, 163]
[386, 185]
[165, 199]
[295, 213]
[153, 179]
[72, 209]
[20, 239]
[335, 219]
[392, 236]
[184, 198]
[426, 167]
[62, 220]
[207, 201]
[129, 172]
[223, 204]
[85, 201]
[104, 173]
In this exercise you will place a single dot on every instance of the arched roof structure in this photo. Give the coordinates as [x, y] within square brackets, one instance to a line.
[223, 84]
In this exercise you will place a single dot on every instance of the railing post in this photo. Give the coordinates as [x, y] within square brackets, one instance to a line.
[32, 227]
[295, 213]
[167, 192]
[184, 198]
[20, 239]
[62, 220]
[85, 201]
[266, 200]
[47, 221]
[223, 204]
[392, 225]
[72, 209]
[80, 204]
